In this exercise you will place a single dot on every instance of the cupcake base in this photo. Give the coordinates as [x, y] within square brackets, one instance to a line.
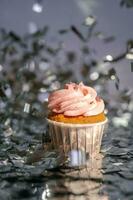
[77, 119]
[79, 142]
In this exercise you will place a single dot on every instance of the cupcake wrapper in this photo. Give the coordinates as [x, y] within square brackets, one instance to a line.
[77, 141]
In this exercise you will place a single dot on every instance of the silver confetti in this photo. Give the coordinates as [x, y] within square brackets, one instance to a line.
[27, 107]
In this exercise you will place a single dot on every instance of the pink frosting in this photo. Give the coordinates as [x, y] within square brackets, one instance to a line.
[76, 99]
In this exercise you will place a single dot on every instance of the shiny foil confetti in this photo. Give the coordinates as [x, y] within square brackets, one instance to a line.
[131, 66]
[27, 107]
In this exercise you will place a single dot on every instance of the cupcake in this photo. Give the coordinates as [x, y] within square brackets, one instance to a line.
[76, 122]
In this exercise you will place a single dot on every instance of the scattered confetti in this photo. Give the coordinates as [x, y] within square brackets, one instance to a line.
[37, 7]
[27, 107]
[131, 66]
[94, 76]
[109, 58]
[1, 67]
[90, 20]
[8, 132]
[36, 68]
[129, 56]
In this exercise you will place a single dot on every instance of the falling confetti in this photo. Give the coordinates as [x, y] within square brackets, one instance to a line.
[27, 107]
[90, 20]
[131, 66]
[37, 7]
[109, 58]
[35, 71]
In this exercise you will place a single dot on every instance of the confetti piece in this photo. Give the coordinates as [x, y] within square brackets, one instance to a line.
[131, 66]
[27, 107]
[89, 21]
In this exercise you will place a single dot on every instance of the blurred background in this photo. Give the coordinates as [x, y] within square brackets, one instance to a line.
[44, 44]
[111, 23]
[49, 43]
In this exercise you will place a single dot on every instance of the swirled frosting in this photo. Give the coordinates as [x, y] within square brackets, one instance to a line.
[76, 99]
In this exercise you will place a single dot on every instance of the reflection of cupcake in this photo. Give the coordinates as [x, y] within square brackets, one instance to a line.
[76, 120]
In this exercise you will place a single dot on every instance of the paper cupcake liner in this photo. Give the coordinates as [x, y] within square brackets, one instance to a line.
[78, 141]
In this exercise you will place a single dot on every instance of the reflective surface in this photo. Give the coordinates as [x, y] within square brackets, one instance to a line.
[30, 170]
